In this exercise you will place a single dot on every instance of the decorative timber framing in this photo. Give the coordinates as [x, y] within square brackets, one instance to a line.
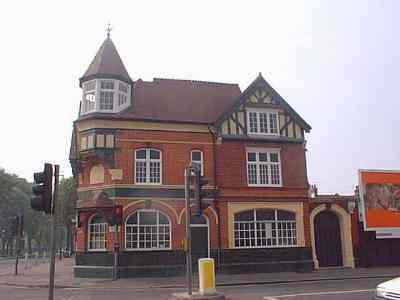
[260, 95]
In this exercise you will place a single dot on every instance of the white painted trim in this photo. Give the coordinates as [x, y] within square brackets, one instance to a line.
[148, 249]
[257, 163]
[202, 159]
[115, 91]
[147, 160]
[88, 235]
[267, 111]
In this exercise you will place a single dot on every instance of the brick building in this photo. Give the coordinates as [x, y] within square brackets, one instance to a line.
[130, 145]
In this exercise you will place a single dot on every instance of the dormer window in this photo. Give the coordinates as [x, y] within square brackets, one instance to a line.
[105, 95]
[263, 121]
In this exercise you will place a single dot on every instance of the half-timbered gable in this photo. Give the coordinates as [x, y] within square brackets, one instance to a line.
[260, 112]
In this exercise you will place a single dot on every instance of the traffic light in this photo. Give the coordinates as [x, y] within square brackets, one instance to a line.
[117, 215]
[199, 182]
[43, 189]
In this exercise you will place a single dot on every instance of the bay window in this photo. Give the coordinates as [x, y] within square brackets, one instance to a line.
[105, 95]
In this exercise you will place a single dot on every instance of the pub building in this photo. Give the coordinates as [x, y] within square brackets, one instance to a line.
[130, 146]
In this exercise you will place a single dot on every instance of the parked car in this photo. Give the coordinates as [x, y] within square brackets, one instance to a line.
[388, 290]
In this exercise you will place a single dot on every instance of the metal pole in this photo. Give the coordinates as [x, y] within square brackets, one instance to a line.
[17, 248]
[53, 234]
[188, 233]
[115, 269]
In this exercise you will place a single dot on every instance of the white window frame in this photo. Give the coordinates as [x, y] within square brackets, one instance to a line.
[268, 163]
[259, 111]
[147, 160]
[85, 102]
[201, 162]
[89, 229]
[158, 224]
[254, 221]
[116, 92]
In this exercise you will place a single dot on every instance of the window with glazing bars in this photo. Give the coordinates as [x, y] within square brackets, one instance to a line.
[147, 229]
[265, 228]
[261, 122]
[264, 168]
[98, 228]
[148, 166]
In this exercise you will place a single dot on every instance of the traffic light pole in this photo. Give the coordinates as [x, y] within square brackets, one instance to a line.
[53, 234]
[116, 247]
[17, 238]
[188, 233]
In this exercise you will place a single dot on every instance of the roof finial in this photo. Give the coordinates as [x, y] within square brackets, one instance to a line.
[109, 28]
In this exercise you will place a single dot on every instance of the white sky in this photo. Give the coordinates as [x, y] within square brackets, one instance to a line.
[336, 63]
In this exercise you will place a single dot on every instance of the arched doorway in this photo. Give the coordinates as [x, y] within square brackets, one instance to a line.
[200, 240]
[328, 245]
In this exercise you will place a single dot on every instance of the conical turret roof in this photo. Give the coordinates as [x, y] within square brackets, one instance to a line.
[106, 64]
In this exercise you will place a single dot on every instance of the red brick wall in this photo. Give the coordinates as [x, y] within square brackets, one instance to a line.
[173, 209]
[175, 147]
[232, 164]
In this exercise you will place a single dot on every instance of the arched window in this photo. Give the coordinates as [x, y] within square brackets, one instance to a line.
[148, 166]
[265, 228]
[97, 174]
[98, 228]
[196, 157]
[147, 229]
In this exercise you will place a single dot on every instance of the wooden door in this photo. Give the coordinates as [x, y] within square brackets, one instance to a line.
[328, 245]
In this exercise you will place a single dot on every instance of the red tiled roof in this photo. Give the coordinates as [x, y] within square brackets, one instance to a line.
[177, 101]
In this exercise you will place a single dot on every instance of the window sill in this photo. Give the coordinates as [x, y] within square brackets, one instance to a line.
[146, 249]
[258, 134]
[268, 247]
[265, 185]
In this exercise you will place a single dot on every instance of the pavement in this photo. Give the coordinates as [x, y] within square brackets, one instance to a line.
[37, 276]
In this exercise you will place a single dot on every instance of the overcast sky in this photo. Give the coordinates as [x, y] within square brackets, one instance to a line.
[336, 62]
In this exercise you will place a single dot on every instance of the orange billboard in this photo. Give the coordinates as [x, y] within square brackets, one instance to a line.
[380, 199]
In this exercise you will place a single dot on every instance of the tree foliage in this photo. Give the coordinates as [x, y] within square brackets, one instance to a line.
[15, 194]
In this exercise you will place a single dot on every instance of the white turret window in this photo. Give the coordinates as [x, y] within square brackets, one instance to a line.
[105, 95]
[89, 96]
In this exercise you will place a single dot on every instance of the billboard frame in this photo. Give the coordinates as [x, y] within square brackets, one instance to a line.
[361, 191]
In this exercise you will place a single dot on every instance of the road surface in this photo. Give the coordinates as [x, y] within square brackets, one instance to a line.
[356, 289]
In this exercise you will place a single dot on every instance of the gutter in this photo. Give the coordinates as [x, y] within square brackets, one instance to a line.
[214, 138]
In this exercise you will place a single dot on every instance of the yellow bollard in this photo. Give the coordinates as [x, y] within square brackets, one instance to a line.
[206, 276]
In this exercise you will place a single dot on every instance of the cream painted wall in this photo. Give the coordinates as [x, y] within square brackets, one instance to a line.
[345, 234]
[97, 174]
[296, 207]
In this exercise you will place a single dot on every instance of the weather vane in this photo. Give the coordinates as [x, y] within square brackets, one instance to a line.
[109, 28]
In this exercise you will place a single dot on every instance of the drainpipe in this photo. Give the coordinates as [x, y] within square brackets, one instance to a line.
[213, 136]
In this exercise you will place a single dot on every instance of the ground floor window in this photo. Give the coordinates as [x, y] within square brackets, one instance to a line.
[98, 228]
[265, 228]
[147, 229]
